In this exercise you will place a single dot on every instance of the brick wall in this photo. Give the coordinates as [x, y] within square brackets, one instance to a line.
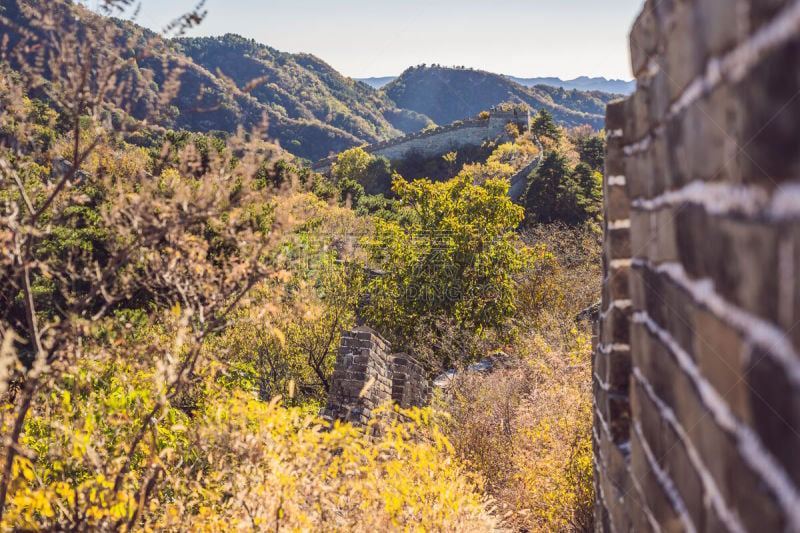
[696, 368]
[367, 375]
[439, 141]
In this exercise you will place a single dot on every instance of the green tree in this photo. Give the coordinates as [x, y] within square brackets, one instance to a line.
[378, 177]
[350, 164]
[590, 182]
[557, 193]
[456, 260]
[373, 174]
[592, 151]
[544, 126]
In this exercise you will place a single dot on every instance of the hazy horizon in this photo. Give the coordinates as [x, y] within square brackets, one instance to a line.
[380, 38]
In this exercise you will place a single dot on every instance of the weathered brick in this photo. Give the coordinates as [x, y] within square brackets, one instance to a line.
[654, 297]
[641, 233]
[619, 412]
[600, 400]
[615, 156]
[740, 133]
[643, 38]
[618, 243]
[615, 115]
[659, 93]
[678, 151]
[618, 517]
[679, 310]
[600, 366]
[711, 138]
[618, 370]
[654, 495]
[664, 246]
[662, 170]
[714, 522]
[640, 120]
[740, 486]
[719, 350]
[618, 205]
[770, 135]
[670, 453]
[629, 125]
[637, 288]
[687, 481]
[615, 326]
[684, 50]
[618, 283]
[745, 271]
[615, 462]
[692, 239]
[720, 24]
[775, 403]
[650, 421]
[763, 11]
[639, 520]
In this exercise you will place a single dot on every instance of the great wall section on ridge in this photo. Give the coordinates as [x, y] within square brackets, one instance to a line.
[439, 141]
[696, 368]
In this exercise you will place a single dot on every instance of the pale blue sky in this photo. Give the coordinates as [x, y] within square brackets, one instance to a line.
[361, 38]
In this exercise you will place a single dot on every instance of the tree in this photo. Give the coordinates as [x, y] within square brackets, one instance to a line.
[592, 151]
[372, 173]
[456, 260]
[544, 126]
[350, 164]
[558, 193]
[590, 182]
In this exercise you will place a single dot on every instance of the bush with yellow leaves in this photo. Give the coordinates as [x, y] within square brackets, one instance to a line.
[233, 463]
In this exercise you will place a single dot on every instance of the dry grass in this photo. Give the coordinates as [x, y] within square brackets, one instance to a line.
[527, 429]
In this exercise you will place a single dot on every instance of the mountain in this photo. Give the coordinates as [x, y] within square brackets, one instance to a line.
[449, 94]
[302, 87]
[377, 83]
[312, 110]
[582, 83]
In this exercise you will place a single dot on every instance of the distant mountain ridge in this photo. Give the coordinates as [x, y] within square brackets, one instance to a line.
[582, 83]
[448, 94]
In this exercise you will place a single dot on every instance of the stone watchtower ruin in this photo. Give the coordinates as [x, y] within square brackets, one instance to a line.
[367, 375]
[697, 364]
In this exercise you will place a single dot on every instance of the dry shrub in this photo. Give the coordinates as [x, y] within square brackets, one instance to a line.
[550, 296]
[527, 431]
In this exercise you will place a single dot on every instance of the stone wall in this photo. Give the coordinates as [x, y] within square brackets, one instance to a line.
[367, 375]
[439, 141]
[697, 366]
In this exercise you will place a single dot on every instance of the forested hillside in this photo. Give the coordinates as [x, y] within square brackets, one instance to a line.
[302, 87]
[448, 94]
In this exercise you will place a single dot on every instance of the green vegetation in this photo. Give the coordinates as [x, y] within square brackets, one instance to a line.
[172, 302]
[373, 174]
[544, 127]
[456, 261]
[558, 193]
